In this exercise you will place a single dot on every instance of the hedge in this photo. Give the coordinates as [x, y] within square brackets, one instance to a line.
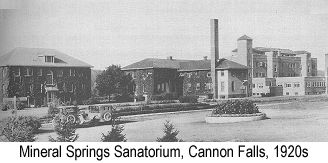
[159, 108]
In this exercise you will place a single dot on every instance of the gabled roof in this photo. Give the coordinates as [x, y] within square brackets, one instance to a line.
[183, 65]
[34, 57]
[245, 37]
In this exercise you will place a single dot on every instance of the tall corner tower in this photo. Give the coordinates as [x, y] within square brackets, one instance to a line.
[244, 52]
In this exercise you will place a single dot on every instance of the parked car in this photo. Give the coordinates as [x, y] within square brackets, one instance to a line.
[70, 112]
[101, 112]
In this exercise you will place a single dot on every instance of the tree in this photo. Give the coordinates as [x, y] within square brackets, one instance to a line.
[64, 129]
[115, 135]
[20, 128]
[113, 80]
[170, 133]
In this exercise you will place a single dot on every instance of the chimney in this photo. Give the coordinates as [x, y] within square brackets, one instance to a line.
[214, 27]
[170, 58]
[205, 58]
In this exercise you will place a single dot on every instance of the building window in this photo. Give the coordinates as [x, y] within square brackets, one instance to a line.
[31, 88]
[60, 73]
[197, 86]
[208, 86]
[297, 84]
[275, 68]
[222, 86]
[189, 87]
[50, 77]
[49, 59]
[39, 72]
[308, 84]
[253, 85]
[232, 86]
[260, 85]
[72, 72]
[72, 88]
[268, 83]
[296, 93]
[287, 85]
[17, 72]
[208, 74]
[29, 71]
[287, 93]
[222, 73]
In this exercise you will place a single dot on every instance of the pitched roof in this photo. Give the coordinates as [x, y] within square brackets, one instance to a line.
[245, 37]
[195, 65]
[154, 63]
[183, 65]
[33, 57]
[225, 64]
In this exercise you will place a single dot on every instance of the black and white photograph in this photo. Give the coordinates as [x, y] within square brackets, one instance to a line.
[163, 71]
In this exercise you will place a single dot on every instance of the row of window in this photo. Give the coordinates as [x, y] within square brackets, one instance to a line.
[208, 86]
[315, 84]
[189, 74]
[260, 64]
[28, 71]
[60, 86]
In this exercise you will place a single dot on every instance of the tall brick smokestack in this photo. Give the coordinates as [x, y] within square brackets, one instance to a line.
[214, 55]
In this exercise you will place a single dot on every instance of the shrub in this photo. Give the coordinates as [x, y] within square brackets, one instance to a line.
[115, 134]
[21, 105]
[236, 107]
[140, 98]
[123, 98]
[188, 99]
[20, 129]
[64, 129]
[164, 96]
[4, 107]
[170, 133]
[52, 110]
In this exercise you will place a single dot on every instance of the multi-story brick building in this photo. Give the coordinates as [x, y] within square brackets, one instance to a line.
[193, 77]
[274, 69]
[43, 75]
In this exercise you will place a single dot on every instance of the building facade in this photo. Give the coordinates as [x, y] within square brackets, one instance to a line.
[43, 76]
[248, 71]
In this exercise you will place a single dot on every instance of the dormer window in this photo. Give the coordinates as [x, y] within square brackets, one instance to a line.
[49, 59]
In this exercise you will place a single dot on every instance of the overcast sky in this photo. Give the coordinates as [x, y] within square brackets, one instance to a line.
[104, 32]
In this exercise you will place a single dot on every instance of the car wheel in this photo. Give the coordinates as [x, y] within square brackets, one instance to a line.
[107, 116]
[71, 118]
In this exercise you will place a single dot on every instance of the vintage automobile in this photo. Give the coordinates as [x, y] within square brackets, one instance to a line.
[71, 113]
[101, 112]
